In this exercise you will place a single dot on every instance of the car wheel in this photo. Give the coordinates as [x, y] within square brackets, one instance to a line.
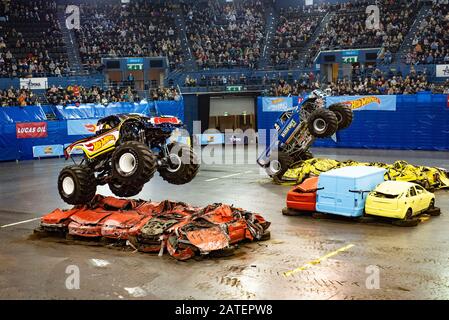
[408, 214]
[431, 205]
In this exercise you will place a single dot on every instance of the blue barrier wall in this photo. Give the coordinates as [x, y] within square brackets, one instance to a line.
[12, 148]
[420, 122]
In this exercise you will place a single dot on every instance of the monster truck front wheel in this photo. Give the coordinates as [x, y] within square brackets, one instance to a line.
[182, 164]
[124, 190]
[76, 185]
[133, 163]
[279, 163]
[322, 123]
[344, 115]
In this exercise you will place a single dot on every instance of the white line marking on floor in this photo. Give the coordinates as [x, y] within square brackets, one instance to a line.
[136, 292]
[231, 175]
[248, 171]
[99, 263]
[20, 222]
[213, 179]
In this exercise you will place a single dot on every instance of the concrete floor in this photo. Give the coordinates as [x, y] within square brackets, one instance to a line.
[412, 261]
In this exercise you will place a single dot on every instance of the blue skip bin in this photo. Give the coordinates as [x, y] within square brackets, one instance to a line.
[343, 191]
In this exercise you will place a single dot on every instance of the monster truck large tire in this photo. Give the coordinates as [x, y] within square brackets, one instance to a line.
[322, 123]
[304, 156]
[76, 185]
[183, 164]
[125, 190]
[279, 163]
[133, 163]
[344, 115]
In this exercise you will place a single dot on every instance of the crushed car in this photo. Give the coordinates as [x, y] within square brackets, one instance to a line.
[180, 229]
[399, 200]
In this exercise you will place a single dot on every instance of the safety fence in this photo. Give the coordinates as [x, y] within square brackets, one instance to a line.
[43, 131]
[407, 122]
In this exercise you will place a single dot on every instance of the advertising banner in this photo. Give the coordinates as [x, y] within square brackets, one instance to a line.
[443, 71]
[366, 103]
[30, 130]
[278, 104]
[209, 138]
[81, 127]
[54, 150]
[34, 83]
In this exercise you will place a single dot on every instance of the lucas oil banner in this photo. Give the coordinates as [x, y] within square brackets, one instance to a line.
[279, 104]
[30, 130]
[81, 127]
[365, 103]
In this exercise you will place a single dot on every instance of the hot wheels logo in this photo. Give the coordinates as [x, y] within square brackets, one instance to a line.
[362, 102]
[99, 144]
[90, 127]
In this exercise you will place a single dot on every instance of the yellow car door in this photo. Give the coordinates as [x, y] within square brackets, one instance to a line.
[412, 200]
[422, 200]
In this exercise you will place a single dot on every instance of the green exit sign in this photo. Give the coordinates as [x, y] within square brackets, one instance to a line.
[349, 60]
[135, 66]
[234, 88]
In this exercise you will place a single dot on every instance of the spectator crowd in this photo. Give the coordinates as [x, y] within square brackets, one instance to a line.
[226, 34]
[17, 97]
[294, 29]
[139, 28]
[430, 44]
[31, 40]
[75, 94]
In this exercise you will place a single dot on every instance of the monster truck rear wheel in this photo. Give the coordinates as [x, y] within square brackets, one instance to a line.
[304, 156]
[322, 123]
[124, 190]
[76, 185]
[344, 115]
[182, 164]
[280, 162]
[133, 163]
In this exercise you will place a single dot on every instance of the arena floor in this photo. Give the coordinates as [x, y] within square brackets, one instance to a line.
[412, 261]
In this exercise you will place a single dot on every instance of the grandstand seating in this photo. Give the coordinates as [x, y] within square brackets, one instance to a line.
[228, 39]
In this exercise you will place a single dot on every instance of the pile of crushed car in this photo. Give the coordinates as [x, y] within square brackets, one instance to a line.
[182, 230]
[360, 191]
[430, 178]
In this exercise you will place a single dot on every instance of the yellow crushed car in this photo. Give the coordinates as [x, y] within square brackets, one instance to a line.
[399, 199]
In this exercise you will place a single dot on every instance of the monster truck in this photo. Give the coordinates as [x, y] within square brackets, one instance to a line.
[124, 153]
[297, 130]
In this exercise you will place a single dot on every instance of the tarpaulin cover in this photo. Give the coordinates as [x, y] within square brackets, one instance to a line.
[97, 111]
[429, 177]
[9, 115]
[181, 229]
[420, 122]
[12, 148]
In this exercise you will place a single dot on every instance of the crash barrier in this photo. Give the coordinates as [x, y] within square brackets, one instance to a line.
[42, 131]
[183, 230]
[430, 178]
[406, 122]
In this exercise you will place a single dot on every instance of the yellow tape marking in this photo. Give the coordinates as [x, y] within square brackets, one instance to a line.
[318, 261]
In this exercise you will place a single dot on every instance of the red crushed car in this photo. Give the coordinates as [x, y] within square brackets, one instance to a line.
[303, 196]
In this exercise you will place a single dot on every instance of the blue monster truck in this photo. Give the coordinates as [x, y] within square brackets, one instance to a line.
[297, 130]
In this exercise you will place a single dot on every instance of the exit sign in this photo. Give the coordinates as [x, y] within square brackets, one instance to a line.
[234, 88]
[135, 66]
[349, 60]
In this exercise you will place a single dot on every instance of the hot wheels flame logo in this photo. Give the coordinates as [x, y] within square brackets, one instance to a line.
[362, 102]
[99, 144]
[90, 127]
